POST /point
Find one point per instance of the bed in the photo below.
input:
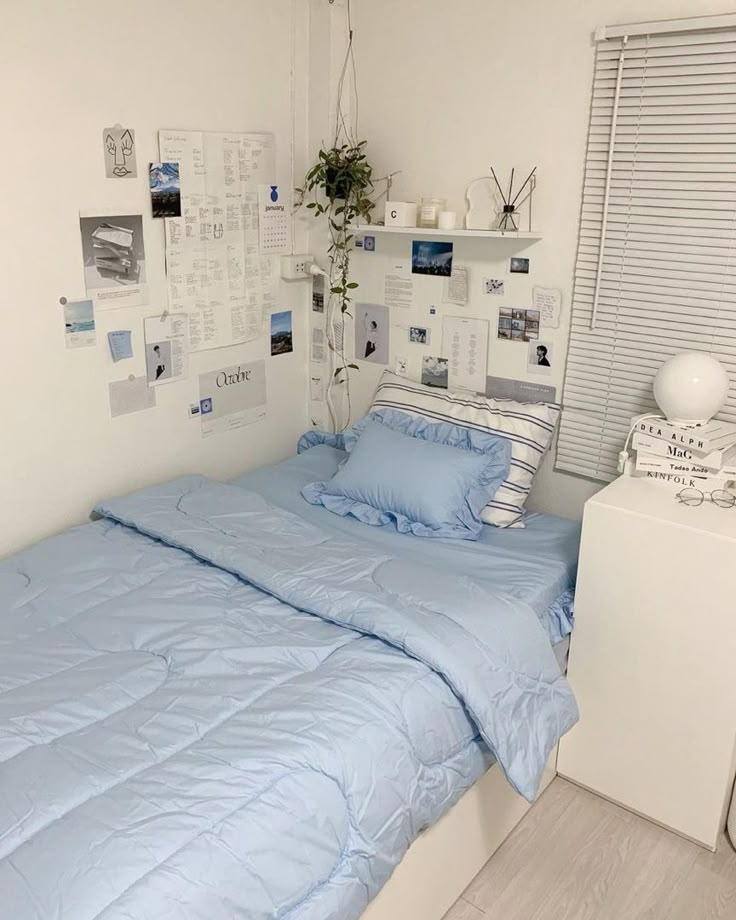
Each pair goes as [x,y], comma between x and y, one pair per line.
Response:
[218,701]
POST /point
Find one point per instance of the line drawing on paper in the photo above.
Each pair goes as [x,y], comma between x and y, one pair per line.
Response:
[120,161]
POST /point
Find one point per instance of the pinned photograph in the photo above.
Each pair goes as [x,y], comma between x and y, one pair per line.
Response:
[494,286]
[158,362]
[369,243]
[540,357]
[318,295]
[79,323]
[282,341]
[166,339]
[519,266]
[371,333]
[163,179]
[431,258]
[518,325]
[118,144]
[419,335]
[435,372]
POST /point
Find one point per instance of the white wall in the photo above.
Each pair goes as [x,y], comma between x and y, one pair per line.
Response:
[68,70]
[446,89]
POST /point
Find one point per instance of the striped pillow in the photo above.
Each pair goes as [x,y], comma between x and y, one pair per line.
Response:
[529,427]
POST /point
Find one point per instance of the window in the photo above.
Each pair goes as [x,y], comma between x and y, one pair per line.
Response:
[656,263]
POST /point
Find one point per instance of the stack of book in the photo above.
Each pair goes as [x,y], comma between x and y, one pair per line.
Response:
[697,456]
[113,249]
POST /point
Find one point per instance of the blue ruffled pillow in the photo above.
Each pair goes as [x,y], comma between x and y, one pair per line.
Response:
[428,479]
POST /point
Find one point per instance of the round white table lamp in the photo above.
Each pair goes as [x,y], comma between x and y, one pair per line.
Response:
[690,388]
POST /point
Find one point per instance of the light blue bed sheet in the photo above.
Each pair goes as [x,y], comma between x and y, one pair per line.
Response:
[537,564]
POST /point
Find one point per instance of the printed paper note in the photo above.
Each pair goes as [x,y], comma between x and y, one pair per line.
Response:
[215,271]
[465,344]
[399,286]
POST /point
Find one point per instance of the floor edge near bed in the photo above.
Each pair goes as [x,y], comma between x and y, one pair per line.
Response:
[443,860]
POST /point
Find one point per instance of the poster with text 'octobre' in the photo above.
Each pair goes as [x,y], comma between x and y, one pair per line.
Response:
[215,272]
[232,397]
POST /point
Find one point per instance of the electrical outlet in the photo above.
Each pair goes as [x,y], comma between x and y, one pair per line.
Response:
[296,268]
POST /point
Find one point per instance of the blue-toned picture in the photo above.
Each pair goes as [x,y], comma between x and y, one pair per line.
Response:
[431,258]
[281,337]
[165,186]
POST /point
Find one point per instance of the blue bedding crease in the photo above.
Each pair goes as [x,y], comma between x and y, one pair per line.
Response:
[211,706]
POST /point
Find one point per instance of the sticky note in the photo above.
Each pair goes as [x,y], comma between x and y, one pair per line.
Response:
[120,344]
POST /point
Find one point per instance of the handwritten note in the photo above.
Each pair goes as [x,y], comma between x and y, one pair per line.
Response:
[456,286]
[548,301]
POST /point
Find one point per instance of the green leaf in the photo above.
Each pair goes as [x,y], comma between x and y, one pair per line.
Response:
[352,284]
[354,367]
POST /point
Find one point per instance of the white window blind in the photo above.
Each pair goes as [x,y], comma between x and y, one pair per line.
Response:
[656,263]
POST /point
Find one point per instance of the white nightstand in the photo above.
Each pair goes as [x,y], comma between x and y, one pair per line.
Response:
[653,658]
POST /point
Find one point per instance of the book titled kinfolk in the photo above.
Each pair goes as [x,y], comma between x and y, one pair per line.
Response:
[703,439]
[683,480]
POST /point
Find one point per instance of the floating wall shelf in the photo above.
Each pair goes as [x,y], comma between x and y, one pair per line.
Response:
[423,232]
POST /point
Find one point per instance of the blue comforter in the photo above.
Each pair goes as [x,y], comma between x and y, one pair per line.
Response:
[204,711]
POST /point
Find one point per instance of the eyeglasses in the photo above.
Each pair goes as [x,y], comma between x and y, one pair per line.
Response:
[694,497]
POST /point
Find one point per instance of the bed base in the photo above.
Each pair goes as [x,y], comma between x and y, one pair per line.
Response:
[444,859]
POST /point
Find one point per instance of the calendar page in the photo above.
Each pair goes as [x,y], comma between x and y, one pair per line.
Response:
[274,219]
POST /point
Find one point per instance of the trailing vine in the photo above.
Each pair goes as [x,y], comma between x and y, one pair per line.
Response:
[338,186]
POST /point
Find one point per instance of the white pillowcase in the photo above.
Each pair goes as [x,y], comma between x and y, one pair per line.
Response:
[528,426]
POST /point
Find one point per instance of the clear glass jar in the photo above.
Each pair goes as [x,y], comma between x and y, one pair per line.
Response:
[429,211]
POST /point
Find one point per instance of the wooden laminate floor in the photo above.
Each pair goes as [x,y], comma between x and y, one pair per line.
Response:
[577,857]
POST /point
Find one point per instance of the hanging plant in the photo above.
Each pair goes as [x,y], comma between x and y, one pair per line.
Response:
[339,186]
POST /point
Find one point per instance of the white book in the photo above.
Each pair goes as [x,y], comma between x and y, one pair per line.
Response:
[713,435]
[654,463]
[683,481]
[659,448]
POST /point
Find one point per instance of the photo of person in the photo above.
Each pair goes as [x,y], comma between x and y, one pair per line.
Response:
[158,361]
[435,371]
[431,258]
[519,266]
[419,335]
[540,357]
[371,333]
